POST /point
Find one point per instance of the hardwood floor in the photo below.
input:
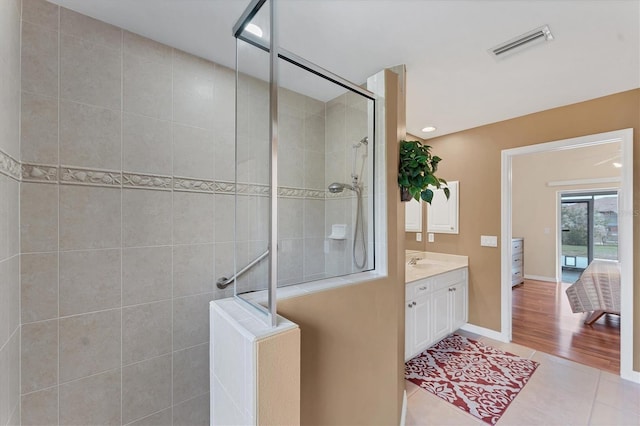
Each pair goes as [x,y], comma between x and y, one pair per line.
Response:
[542,320]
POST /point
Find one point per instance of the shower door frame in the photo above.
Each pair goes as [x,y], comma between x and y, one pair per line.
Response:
[275,53]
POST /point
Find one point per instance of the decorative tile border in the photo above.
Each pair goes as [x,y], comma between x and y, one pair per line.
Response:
[287,192]
[9,166]
[75,176]
[136,180]
[223,187]
[39,173]
[67,175]
[193,185]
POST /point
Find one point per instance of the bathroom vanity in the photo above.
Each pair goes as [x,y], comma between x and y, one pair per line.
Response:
[436,298]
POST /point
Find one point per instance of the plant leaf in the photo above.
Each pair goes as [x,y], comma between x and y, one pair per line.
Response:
[427,195]
[446,192]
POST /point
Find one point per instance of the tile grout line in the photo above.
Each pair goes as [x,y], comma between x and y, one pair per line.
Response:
[595,397]
[121,223]
[19,328]
[172,222]
[58,193]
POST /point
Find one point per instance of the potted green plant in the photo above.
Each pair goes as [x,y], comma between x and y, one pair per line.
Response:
[416,173]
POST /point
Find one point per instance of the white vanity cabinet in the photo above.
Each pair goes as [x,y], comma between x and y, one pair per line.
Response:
[435,307]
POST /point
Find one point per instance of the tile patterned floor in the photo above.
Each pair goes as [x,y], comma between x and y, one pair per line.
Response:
[560,392]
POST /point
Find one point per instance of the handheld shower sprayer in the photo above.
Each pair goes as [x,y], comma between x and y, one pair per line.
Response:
[337,187]
[356,186]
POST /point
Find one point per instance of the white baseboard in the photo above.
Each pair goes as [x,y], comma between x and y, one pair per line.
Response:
[541,278]
[491,334]
[633,376]
[403,415]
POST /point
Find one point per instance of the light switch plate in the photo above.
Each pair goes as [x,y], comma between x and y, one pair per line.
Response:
[489,241]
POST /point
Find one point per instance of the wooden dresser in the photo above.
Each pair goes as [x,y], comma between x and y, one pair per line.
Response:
[517,262]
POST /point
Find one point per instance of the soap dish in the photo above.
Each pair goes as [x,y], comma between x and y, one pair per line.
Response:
[338,232]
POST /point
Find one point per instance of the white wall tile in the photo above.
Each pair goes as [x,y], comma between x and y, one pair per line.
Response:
[189,373]
[147,87]
[193,269]
[39,60]
[90,30]
[40,408]
[38,217]
[146,144]
[89,281]
[193,218]
[39,355]
[193,152]
[39,134]
[89,344]
[93,400]
[191,320]
[90,73]
[39,286]
[146,388]
[41,12]
[146,274]
[90,136]
[89,217]
[146,331]
[146,217]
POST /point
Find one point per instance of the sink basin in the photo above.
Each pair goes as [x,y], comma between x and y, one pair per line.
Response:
[427,265]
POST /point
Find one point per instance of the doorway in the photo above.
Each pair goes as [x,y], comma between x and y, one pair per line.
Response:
[589,230]
[625,242]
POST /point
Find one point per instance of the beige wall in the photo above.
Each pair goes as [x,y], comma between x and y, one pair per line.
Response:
[353,337]
[534,205]
[9,212]
[473,158]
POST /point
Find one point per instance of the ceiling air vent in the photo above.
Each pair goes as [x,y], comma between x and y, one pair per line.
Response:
[521,42]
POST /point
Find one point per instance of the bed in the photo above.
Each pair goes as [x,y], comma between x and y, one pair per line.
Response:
[597,290]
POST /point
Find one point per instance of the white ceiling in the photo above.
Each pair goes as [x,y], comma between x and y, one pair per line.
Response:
[453,83]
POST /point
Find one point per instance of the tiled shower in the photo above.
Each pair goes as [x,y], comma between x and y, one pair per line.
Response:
[116,181]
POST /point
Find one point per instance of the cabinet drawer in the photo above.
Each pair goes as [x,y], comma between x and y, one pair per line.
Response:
[516,246]
[418,288]
[450,278]
[516,262]
[516,276]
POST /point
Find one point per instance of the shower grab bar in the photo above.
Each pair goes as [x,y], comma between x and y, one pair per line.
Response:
[223,282]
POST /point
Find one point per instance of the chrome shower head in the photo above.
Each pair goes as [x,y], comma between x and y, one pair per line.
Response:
[363,141]
[337,187]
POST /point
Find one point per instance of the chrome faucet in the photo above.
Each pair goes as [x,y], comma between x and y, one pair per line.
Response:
[414,260]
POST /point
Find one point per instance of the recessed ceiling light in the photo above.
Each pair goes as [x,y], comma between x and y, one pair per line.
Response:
[429,129]
[254,29]
[617,165]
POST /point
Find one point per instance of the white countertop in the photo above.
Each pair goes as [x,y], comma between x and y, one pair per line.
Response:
[430,264]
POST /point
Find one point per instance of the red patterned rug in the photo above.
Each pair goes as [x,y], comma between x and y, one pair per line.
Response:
[476,378]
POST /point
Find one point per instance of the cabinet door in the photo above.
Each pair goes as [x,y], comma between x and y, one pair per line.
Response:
[409,325]
[458,305]
[422,331]
[440,313]
[417,326]
[413,216]
[442,214]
